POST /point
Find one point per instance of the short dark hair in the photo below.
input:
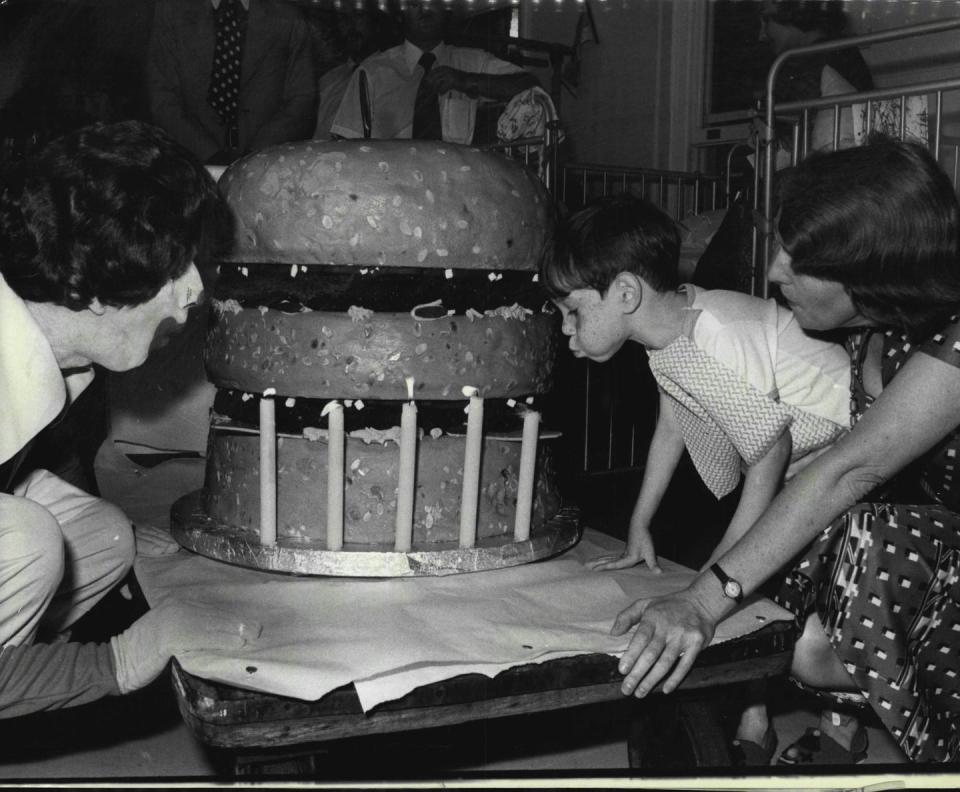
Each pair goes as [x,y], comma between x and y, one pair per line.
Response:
[614,234]
[882,220]
[824,16]
[109,212]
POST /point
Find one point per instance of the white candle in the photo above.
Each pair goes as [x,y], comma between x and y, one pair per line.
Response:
[268,471]
[471,469]
[528,462]
[406,480]
[335,461]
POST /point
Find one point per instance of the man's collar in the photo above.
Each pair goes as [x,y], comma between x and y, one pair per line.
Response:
[412,53]
[244,3]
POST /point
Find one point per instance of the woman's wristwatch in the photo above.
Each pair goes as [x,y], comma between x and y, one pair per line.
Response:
[731,588]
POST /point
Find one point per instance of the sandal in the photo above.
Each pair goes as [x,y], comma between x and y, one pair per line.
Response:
[746,753]
[840,701]
[819,749]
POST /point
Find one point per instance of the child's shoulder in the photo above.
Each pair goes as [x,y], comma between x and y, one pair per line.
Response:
[731,307]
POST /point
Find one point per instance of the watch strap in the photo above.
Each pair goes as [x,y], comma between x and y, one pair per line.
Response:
[724,579]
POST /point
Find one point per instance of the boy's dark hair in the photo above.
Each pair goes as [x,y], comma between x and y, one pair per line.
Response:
[614,234]
[111,211]
[883,221]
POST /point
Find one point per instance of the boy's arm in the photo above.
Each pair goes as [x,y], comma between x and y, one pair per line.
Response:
[664,454]
[761,482]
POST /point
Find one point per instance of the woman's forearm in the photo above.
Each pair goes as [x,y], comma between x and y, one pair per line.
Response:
[803,508]
[913,413]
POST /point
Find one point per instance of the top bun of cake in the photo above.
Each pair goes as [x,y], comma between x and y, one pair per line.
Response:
[391,203]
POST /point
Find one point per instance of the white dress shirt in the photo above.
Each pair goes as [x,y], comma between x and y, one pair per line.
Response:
[393,77]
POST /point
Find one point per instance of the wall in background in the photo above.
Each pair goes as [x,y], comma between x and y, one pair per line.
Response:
[619,109]
[639,98]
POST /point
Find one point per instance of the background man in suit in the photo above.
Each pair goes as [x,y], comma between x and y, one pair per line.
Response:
[226,77]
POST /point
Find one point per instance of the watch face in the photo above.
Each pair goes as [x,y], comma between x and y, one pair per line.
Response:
[732,589]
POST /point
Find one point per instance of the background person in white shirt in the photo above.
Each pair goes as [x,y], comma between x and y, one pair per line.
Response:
[459,76]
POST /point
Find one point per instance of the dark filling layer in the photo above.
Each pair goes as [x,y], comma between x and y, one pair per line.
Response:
[386,289]
[244,410]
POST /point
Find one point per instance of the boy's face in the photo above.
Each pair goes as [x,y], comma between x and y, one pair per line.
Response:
[594,323]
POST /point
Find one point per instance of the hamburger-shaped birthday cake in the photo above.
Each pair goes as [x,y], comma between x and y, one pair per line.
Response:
[379,342]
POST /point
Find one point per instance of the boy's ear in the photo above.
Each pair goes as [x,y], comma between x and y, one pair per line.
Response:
[629,291]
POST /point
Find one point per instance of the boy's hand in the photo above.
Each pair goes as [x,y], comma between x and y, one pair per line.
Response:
[632,556]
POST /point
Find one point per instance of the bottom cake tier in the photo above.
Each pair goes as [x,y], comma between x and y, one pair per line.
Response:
[232,487]
[194,530]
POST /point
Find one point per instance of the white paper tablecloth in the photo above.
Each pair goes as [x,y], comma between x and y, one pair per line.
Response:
[390,636]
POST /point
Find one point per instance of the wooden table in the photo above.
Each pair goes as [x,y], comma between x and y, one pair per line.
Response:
[688,732]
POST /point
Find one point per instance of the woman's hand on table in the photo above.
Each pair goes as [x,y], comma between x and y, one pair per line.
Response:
[670,632]
[142,651]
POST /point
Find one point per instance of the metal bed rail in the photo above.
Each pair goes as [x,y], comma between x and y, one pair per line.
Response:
[539,154]
[678,193]
[802,113]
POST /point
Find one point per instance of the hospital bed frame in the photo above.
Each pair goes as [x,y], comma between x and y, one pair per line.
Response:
[800,112]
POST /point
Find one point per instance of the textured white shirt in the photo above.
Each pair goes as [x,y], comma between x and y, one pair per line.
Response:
[741,373]
[762,342]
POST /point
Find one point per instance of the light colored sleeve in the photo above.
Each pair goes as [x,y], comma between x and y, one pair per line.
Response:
[348,121]
[722,416]
[41,677]
[491,64]
[745,346]
[331,89]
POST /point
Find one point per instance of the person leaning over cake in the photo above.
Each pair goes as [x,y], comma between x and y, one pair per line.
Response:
[868,246]
[424,88]
[99,235]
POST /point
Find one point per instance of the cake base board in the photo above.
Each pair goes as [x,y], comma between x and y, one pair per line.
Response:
[199,533]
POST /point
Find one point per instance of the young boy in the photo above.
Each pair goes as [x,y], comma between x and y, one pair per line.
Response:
[741,385]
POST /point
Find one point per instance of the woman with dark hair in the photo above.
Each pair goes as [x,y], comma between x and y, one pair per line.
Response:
[100,237]
[869,246]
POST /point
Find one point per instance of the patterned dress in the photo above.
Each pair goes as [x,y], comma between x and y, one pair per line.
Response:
[884,579]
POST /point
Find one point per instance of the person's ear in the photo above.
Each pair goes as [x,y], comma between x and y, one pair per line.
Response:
[96,307]
[629,291]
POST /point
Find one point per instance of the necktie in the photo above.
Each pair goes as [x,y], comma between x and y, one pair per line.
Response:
[225,77]
[426,109]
